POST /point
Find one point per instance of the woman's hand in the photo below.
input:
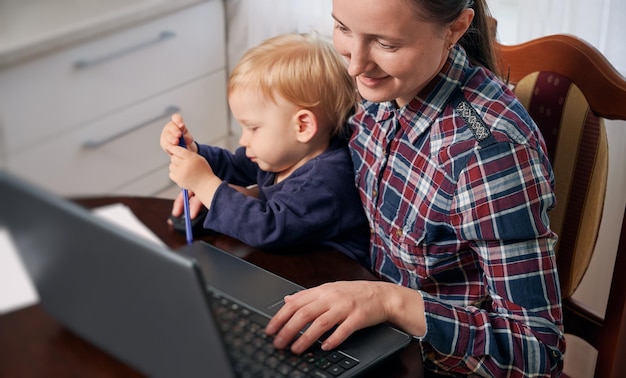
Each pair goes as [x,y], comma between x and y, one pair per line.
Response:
[349,305]
[179,207]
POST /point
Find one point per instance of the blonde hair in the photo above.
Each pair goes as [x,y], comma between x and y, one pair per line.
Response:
[305,70]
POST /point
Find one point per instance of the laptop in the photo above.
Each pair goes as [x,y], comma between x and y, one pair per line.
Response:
[158,310]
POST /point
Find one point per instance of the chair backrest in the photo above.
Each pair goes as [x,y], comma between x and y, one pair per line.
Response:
[568,87]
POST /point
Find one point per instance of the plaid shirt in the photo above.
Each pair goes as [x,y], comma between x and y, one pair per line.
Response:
[459,212]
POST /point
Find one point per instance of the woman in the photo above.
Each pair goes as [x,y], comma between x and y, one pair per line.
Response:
[456,184]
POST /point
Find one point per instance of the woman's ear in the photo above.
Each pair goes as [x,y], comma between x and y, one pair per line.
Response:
[459,26]
[306,123]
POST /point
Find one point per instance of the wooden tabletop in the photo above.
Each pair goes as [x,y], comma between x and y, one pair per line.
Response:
[32,344]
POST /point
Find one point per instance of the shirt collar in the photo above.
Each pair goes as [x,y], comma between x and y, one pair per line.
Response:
[417,116]
[420,113]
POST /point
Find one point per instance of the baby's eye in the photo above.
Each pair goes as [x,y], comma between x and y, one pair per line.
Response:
[341,27]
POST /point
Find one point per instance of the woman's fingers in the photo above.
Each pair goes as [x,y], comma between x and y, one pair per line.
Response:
[297,312]
[348,306]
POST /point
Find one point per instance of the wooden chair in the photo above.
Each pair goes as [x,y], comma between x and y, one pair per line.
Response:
[568,87]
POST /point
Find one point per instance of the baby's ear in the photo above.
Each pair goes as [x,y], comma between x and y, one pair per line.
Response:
[306,122]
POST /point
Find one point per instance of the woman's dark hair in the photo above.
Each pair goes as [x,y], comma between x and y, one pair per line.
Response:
[478,41]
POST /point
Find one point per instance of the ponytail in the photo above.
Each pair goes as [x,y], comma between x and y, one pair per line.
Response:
[478,40]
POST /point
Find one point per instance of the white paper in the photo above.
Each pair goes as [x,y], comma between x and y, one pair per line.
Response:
[123,216]
[16,288]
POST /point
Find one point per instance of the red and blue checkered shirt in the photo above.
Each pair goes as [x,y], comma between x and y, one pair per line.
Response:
[458,210]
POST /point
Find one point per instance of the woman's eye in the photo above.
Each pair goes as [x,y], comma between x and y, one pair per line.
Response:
[386,46]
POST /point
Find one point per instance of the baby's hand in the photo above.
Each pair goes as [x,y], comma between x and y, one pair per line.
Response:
[172,132]
[192,172]
[188,169]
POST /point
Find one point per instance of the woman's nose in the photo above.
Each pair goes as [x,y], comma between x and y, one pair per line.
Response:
[354,49]
[358,60]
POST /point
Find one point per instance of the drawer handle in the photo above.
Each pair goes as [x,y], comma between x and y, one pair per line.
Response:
[91,144]
[82,64]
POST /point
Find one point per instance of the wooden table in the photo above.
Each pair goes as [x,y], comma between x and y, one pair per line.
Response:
[32,344]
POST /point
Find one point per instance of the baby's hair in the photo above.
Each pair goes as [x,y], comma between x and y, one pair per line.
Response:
[305,70]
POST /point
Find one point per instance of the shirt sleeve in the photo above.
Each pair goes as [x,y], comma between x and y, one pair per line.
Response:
[500,209]
[235,167]
[301,210]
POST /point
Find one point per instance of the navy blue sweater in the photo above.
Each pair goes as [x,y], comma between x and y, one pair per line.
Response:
[317,204]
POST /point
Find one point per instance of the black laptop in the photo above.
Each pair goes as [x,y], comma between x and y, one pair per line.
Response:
[199,311]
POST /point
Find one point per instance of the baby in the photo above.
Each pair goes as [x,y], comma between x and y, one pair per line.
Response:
[291,96]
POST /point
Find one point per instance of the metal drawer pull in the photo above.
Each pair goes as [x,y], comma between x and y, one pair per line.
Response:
[82,64]
[91,144]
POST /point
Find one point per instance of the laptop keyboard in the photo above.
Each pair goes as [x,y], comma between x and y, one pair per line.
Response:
[254,355]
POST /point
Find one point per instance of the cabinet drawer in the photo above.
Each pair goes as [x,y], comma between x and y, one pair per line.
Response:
[123,147]
[62,91]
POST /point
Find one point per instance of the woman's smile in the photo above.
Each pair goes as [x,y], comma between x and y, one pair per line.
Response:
[370,81]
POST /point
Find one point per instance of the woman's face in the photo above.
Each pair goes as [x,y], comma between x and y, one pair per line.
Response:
[390,52]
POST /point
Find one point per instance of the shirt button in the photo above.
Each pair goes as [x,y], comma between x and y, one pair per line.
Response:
[399,233]
[374,193]
[430,355]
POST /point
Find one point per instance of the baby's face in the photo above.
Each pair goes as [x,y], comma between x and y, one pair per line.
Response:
[269,129]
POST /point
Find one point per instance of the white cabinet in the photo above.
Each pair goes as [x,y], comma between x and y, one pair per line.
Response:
[86,120]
